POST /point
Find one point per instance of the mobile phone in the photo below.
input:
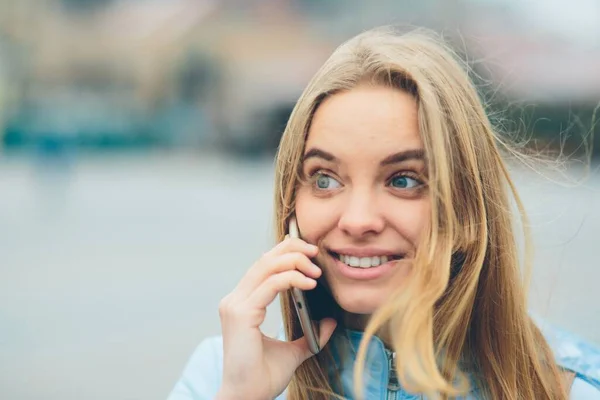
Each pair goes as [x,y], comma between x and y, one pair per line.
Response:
[308,326]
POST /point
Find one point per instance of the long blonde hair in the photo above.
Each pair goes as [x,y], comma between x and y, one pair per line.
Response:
[464,307]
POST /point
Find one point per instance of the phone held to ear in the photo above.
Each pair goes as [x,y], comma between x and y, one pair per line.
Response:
[308,326]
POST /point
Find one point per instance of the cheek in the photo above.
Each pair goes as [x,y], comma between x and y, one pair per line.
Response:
[413,219]
[315,216]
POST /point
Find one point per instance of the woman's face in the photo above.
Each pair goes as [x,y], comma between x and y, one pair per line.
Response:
[363,199]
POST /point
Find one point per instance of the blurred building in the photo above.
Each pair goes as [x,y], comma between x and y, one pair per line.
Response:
[203,73]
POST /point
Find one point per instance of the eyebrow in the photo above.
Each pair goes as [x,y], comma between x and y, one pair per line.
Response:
[416,154]
[318,153]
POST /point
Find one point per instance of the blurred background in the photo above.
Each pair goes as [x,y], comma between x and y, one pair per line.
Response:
[136,164]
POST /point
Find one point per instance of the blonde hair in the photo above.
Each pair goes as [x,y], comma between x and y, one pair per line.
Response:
[464,307]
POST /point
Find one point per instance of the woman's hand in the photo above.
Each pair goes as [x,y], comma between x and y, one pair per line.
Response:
[254,365]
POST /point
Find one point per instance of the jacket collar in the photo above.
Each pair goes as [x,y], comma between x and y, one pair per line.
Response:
[571,352]
[378,376]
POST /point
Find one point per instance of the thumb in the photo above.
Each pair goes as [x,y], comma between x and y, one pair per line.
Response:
[326,329]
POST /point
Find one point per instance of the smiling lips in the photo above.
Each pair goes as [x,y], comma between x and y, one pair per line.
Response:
[365,261]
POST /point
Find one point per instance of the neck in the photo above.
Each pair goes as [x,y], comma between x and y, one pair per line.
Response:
[358,322]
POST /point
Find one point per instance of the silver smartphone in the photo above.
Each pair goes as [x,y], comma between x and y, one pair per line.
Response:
[308,326]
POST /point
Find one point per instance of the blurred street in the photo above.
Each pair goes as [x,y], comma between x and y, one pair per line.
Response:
[113,268]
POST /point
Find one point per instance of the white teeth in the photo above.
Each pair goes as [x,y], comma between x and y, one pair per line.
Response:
[363,262]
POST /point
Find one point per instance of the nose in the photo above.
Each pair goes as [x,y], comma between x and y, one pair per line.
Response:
[361,216]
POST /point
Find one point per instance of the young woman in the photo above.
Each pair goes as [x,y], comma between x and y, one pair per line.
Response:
[408,255]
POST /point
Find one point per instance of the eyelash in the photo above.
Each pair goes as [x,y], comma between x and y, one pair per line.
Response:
[407,174]
[314,175]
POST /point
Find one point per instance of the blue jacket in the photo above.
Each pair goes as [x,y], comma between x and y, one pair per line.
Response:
[201,377]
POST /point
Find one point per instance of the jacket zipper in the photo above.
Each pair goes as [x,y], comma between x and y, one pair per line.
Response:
[393,385]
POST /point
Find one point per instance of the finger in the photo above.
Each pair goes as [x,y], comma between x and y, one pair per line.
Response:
[326,329]
[291,261]
[290,244]
[273,285]
[256,274]
[274,265]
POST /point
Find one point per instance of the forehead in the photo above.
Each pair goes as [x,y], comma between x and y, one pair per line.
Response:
[373,119]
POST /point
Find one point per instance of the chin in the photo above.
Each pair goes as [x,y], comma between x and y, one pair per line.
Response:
[356,301]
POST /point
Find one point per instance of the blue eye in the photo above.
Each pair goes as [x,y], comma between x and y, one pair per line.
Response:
[404,182]
[323,182]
